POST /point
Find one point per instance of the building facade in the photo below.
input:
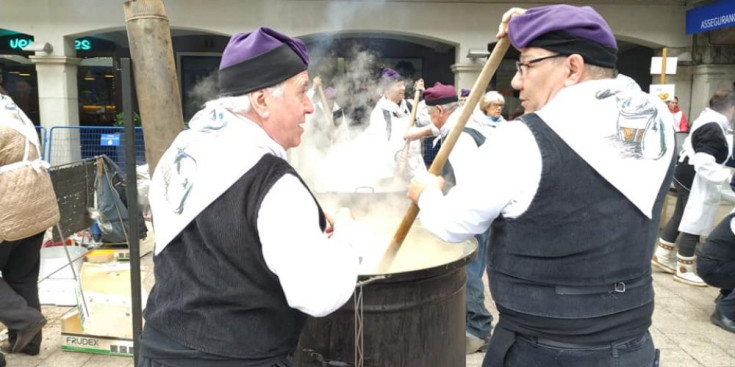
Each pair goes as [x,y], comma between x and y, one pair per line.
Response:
[75,79]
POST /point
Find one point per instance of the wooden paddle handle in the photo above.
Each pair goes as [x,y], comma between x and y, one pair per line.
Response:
[478,89]
[414,108]
[411,120]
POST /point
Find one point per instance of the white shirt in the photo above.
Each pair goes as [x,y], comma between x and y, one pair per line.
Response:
[506,183]
[318,274]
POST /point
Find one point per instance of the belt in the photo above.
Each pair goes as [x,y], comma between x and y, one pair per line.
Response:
[587,346]
[563,345]
[618,287]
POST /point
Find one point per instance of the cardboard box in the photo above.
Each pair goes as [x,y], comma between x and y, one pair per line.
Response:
[57,285]
[105,303]
[73,339]
[102,324]
[59,292]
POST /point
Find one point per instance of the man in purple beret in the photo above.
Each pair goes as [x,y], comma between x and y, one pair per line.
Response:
[463,94]
[323,120]
[573,203]
[443,108]
[389,121]
[243,250]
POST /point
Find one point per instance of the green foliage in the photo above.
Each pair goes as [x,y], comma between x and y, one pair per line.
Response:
[120,119]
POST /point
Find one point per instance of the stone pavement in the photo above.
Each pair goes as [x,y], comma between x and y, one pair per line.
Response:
[681,329]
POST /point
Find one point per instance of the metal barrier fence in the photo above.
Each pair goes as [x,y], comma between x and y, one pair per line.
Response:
[72,143]
[42,138]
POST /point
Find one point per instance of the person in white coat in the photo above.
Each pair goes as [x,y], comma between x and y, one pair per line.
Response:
[698,178]
[389,121]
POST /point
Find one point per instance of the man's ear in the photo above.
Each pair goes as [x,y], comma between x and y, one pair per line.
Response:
[576,66]
[259,103]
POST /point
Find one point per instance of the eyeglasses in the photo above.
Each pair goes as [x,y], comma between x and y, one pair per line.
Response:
[493,105]
[528,63]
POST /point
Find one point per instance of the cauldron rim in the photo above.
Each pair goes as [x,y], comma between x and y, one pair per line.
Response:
[470,249]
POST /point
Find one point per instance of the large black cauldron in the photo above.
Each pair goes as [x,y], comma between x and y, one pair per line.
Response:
[409,319]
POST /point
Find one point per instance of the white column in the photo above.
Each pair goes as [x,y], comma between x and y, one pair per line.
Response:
[705,81]
[465,74]
[59,105]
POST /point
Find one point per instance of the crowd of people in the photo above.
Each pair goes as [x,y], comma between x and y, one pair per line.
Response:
[565,207]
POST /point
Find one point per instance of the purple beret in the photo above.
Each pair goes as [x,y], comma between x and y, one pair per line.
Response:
[566,29]
[330,92]
[440,94]
[260,59]
[464,92]
[389,75]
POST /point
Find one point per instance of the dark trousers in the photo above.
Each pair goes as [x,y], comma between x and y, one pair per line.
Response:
[685,242]
[19,305]
[479,319]
[159,350]
[508,349]
[720,274]
[148,362]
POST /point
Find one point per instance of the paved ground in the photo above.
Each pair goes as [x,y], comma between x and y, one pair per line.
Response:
[681,329]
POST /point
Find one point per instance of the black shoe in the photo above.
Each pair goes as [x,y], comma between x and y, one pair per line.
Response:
[2,360]
[31,350]
[26,335]
[723,321]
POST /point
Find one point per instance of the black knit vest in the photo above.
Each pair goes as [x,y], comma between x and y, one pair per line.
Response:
[581,249]
[214,292]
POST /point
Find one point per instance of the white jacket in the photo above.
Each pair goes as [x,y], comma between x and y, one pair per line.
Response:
[704,197]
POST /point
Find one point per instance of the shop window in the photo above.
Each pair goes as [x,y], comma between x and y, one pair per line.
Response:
[198,80]
[18,74]
[96,81]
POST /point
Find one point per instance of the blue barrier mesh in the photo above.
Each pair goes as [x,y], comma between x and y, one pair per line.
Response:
[70,143]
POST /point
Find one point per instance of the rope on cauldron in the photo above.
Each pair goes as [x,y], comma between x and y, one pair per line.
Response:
[358,318]
[314,355]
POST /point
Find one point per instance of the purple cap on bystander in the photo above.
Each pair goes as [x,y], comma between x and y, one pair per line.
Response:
[330,92]
[389,75]
[440,94]
[464,92]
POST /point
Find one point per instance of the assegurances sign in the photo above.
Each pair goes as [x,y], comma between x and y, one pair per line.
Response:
[709,17]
